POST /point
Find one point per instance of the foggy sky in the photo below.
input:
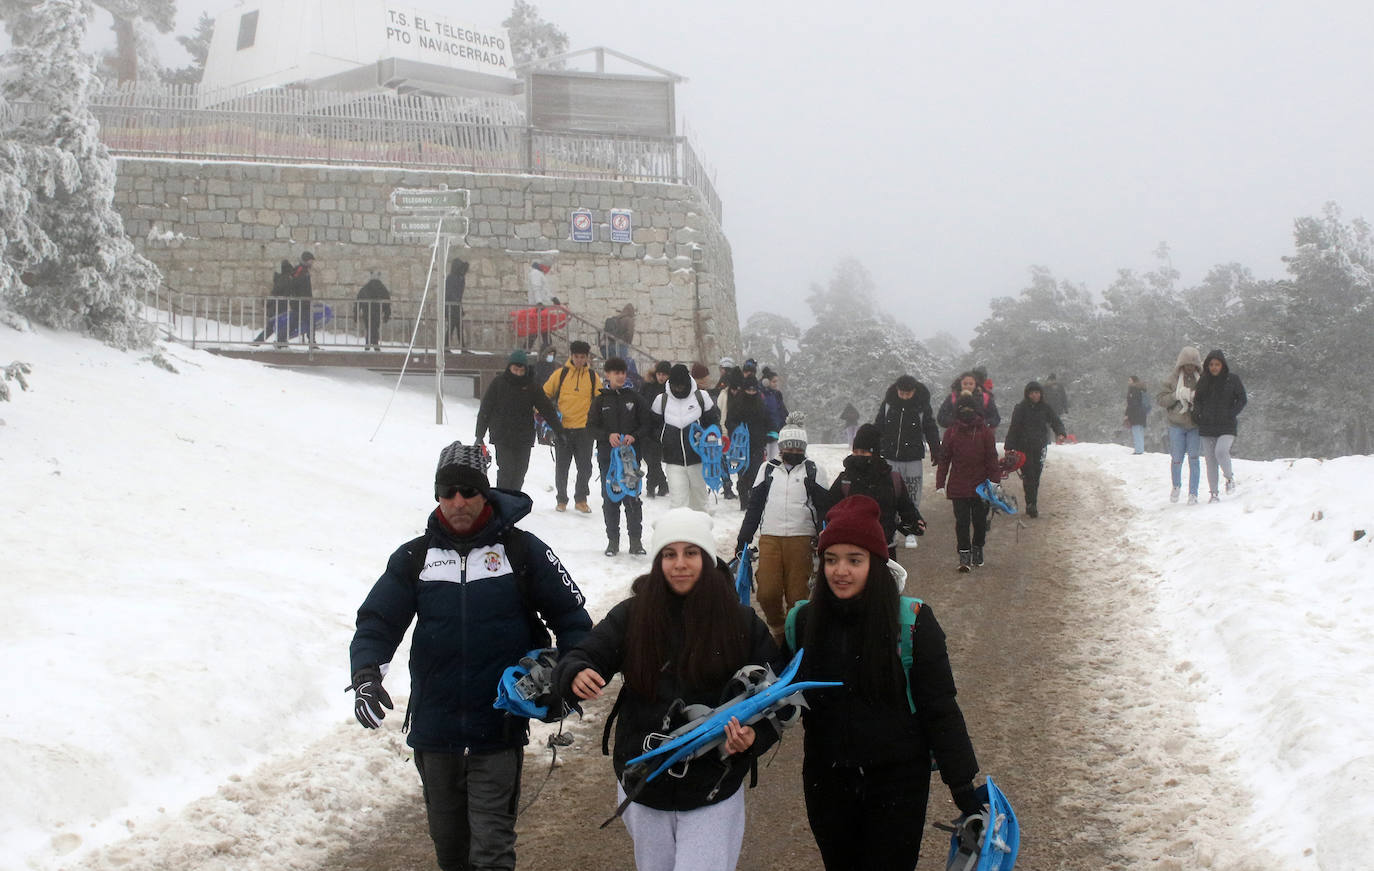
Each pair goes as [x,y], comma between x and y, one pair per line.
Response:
[949,149]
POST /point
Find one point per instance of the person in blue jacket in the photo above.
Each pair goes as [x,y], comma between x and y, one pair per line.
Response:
[481,593]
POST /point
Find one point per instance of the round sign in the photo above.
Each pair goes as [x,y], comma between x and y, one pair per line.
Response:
[582,221]
[620,222]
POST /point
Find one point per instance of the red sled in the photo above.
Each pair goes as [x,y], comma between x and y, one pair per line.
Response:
[1011,462]
[539,321]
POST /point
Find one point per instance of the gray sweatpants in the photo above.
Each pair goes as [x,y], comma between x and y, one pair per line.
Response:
[1217,452]
[705,839]
[910,470]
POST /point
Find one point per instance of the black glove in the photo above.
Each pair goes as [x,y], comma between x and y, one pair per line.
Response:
[966,799]
[370,697]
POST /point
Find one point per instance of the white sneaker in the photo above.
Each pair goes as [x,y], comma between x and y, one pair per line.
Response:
[1230,485]
[1215,498]
[1192,498]
[1173,494]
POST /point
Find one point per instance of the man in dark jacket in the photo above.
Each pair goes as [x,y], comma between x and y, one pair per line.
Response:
[300,314]
[1031,420]
[747,407]
[908,425]
[618,417]
[374,307]
[507,412]
[454,285]
[866,473]
[482,593]
[1056,397]
[1218,401]
[654,385]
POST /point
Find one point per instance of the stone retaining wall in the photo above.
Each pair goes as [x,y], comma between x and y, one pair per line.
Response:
[222,228]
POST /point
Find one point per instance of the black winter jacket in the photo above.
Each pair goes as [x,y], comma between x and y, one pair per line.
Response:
[907,425]
[604,651]
[947,417]
[1031,423]
[621,411]
[1137,406]
[750,411]
[507,410]
[844,729]
[1219,399]
[470,625]
[874,477]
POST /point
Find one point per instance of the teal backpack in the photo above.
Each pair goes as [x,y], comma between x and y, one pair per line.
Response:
[907,608]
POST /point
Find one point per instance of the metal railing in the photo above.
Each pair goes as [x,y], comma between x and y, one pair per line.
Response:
[341,323]
[377,130]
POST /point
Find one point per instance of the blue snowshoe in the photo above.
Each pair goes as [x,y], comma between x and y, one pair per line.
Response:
[623,477]
[737,458]
[743,567]
[988,840]
[707,443]
[994,495]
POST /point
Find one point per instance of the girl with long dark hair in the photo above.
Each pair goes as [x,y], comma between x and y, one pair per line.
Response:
[678,640]
[868,745]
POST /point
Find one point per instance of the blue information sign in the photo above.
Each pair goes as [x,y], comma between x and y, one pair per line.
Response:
[621,225]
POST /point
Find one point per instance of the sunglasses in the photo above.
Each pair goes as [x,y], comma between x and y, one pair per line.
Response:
[456,490]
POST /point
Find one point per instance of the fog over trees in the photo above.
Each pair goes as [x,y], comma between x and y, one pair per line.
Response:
[1301,344]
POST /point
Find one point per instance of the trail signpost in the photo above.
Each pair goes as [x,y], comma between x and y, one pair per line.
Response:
[435,215]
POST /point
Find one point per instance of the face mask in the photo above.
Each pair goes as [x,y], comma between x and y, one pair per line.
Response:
[793,459]
[548,359]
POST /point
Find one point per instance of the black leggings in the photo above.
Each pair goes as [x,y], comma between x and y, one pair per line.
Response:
[867,818]
[1030,474]
[970,511]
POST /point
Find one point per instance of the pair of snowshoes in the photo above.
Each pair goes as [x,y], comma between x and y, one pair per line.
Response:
[708,444]
[737,453]
[623,477]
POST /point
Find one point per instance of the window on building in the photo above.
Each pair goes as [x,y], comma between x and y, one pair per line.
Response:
[248,29]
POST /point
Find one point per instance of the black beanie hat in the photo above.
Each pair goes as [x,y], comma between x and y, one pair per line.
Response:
[868,438]
[664,366]
[463,466]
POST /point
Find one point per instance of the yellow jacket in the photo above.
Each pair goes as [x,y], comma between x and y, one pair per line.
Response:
[571,390]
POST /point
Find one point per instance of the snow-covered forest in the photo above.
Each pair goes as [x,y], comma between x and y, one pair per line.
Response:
[1299,343]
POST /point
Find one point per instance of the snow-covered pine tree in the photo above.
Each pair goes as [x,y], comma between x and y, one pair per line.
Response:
[531,37]
[89,279]
[852,354]
[771,339]
[197,45]
[135,55]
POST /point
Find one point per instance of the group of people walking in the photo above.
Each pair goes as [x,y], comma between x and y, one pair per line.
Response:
[482,592]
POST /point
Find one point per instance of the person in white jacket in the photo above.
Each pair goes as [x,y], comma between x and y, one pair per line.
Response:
[675,410]
[786,507]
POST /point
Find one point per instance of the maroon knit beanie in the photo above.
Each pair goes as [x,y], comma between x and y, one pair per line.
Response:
[854,520]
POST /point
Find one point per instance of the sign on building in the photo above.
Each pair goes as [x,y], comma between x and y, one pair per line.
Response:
[622,225]
[429,226]
[583,230]
[441,200]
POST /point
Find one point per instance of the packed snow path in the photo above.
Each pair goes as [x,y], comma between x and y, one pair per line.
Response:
[1074,704]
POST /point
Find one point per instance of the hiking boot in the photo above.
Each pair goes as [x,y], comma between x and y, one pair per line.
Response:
[1192,498]
[637,547]
[977,556]
[1230,486]
[562,506]
[583,507]
[1214,498]
[1173,494]
[1031,510]
[729,494]
[965,561]
[613,547]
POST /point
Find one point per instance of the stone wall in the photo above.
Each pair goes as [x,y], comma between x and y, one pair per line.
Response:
[222,228]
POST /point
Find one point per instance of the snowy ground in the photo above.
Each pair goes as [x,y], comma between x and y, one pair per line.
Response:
[183,554]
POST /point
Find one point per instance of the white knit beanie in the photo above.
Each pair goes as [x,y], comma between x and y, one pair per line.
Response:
[792,436]
[684,524]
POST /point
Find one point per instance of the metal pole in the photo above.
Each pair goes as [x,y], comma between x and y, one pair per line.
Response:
[440,330]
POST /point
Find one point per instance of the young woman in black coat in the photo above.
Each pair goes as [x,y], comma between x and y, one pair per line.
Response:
[1218,401]
[866,769]
[1031,422]
[678,640]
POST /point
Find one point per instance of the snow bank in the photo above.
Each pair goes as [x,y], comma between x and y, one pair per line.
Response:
[1268,596]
